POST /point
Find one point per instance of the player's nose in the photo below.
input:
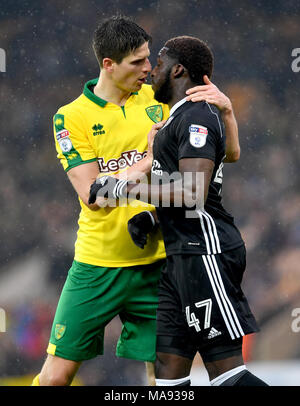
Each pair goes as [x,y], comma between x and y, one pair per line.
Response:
[147,66]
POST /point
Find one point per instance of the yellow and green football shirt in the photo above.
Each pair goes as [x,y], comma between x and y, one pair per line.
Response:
[91,129]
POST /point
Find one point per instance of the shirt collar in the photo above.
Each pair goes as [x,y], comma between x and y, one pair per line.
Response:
[177,105]
[91,95]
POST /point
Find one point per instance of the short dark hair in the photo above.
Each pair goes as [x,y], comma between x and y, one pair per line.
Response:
[116,37]
[193,54]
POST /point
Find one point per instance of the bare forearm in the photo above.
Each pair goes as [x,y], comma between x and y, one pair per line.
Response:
[189,190]
[173,194]
[138,170]
[211,94]
[81,178]
[154,194]
[232,136]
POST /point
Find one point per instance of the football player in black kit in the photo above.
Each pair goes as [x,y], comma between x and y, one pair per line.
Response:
[201,305]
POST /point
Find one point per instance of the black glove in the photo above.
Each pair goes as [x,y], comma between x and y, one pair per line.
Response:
[109,187]
[139,226]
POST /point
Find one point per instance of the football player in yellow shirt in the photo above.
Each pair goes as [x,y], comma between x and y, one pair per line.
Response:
[103,131]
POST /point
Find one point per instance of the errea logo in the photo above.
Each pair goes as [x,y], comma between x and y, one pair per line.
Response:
[97,128]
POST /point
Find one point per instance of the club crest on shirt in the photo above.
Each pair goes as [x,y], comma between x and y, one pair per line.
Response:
[60,330]
[198,135]
[155,113]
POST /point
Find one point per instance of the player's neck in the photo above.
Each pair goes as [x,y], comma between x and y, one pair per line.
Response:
[179,91]
[106,90]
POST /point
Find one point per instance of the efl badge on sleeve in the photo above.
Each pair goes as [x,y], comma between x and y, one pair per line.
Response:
[64,140]
[198,135]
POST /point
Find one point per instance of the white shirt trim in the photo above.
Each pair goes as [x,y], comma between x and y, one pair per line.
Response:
[177,105]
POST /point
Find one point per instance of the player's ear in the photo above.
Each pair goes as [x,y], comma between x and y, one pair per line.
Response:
[108,64]
[178,70]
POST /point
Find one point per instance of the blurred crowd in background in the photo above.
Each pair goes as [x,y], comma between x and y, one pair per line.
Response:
[49,58]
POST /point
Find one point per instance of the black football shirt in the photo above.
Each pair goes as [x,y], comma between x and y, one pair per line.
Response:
[193,130]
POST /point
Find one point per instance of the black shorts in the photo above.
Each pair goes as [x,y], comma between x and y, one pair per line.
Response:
[202,306]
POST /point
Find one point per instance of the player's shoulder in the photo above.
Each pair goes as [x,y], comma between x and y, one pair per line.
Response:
[72,108]
[68,116]
[204,113]
[203,108]
[146,94]
[146,91]
[146,98]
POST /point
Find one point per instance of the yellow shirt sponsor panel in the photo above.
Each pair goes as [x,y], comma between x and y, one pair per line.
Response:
[91,129]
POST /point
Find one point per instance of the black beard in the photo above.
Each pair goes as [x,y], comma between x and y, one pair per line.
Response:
[164,93]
